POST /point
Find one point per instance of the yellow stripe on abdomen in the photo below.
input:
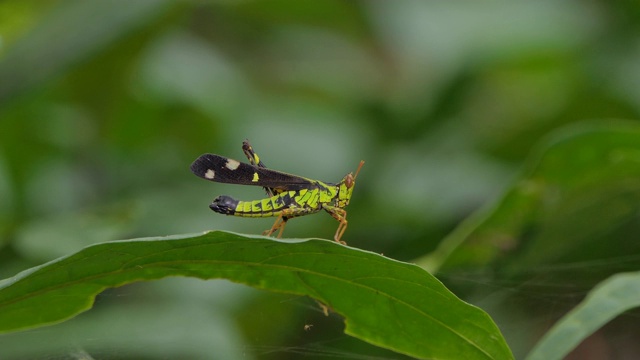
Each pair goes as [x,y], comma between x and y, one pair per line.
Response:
[272,206]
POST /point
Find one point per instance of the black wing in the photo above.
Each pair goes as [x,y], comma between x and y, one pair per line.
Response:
[224,170]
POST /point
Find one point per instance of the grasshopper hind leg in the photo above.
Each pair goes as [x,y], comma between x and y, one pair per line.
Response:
[279,225]
[284,216]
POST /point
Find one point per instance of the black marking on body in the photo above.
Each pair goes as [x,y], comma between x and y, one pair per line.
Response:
[283,201]
[224,205]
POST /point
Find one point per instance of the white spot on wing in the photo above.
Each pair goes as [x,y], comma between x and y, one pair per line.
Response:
[210,174]
[232,164]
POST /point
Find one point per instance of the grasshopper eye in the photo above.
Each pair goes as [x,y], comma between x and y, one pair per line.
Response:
[348,181]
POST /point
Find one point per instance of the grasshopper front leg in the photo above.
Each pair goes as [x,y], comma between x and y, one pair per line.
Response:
[339,214]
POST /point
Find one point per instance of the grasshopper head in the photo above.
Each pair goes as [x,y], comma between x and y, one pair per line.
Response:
[345,187]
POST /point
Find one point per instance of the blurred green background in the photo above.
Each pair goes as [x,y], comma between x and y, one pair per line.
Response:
[104,105]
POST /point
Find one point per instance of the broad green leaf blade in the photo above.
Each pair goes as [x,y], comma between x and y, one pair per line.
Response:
[609,299]
[579,187]
[385,302]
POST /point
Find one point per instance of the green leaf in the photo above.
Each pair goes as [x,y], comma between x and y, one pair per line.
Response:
[384,302]
[578,188]
[611,298]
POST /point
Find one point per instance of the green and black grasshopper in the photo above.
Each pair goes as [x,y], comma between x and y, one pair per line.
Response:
[289,195]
